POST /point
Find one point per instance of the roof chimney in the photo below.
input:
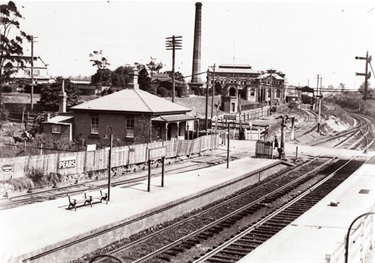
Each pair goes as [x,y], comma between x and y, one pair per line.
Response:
[62,99]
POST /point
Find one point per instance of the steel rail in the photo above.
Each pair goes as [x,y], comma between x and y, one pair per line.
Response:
[296,199]
[233,213]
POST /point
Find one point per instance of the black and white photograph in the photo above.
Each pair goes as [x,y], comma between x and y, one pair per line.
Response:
[187,131]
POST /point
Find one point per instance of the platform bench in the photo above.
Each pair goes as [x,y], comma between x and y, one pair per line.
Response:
[75,202]
[100,197]
[90,199]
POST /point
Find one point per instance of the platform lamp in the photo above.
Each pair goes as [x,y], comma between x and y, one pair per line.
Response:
[109,158]
[348,234]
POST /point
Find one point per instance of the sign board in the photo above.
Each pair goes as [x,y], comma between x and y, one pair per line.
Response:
[230,117]
[7,168]
[67,162]
[91,147]
[157,153]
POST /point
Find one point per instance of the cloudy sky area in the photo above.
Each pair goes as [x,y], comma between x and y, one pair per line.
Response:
[300,38]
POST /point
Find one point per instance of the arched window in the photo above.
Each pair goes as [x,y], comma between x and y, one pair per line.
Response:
[278,93]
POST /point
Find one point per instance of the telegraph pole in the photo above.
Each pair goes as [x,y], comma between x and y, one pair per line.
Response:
[173,43]
[206,112]
[366,74]
[213,92]
[32,73]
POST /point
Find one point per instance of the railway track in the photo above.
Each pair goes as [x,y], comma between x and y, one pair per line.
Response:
[209,225]
[254,235]
[360,137]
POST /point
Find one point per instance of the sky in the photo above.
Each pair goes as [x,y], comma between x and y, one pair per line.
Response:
[300,38]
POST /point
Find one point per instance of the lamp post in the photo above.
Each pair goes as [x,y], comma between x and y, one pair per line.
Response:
[109,160]
[283,118]
[348,234]
[213,92]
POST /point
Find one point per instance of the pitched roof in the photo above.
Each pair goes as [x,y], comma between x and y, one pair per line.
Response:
[243,69]
[131,100]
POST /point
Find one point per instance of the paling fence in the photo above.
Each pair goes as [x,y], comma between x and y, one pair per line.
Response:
[72,163]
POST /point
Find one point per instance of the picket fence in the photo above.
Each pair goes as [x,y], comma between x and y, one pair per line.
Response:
[72,163]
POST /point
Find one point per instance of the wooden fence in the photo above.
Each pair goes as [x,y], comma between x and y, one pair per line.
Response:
[72,163]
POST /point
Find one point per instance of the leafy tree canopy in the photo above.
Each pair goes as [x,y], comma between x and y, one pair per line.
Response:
[49,96]
[11,51]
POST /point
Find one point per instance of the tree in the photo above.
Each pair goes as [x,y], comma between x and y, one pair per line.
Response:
[154,66]
[49,96]
[99,60]
[103,75]
[369,90]
[120,77]
[11,51]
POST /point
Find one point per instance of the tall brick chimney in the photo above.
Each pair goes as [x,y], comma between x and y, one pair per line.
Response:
[195,78]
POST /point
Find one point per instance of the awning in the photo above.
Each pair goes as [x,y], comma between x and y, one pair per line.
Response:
[173,118]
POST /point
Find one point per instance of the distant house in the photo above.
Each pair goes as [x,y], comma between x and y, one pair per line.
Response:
[40,71]
[84,86]
[131,115]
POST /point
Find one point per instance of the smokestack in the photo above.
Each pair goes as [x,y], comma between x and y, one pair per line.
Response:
[195,78]
[62,98]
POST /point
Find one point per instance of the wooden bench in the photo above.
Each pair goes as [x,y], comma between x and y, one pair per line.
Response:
[99,198]
[79,201]
[85,199]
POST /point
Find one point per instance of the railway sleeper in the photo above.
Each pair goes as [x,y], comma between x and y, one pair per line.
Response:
[204,236]
[254,240]
[225,224]
[220,259]
[236,251]
[217,228]
[178,249]
[164,258]
[223,255]
[263,238]
[265,231]
[246,245]
[187,245]
[258,234]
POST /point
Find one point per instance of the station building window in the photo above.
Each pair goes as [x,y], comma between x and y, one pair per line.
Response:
[94,127]
[129,127]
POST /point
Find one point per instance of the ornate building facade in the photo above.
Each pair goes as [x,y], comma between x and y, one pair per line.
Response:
[248,84]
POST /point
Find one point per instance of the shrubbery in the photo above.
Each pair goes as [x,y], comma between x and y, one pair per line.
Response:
[40,180]
[7,89]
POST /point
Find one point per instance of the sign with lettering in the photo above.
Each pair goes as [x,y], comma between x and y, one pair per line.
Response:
[230,117]
[7,168]
[68,162]
[157,153]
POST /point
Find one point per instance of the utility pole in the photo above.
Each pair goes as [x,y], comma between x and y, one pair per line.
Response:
[213,92]
[173,43]
[32,74]
[366,74]
[320,103]
[206,113]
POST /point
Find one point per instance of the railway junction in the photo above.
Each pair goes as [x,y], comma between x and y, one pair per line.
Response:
[50,233]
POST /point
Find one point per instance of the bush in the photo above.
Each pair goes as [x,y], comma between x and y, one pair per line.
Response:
[163,92]
[7,89]
[40,180]
[4,113]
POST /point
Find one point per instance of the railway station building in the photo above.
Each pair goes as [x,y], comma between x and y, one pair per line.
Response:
[131,115]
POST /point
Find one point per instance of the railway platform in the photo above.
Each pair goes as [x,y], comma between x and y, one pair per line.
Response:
[47,232]
[319,235]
